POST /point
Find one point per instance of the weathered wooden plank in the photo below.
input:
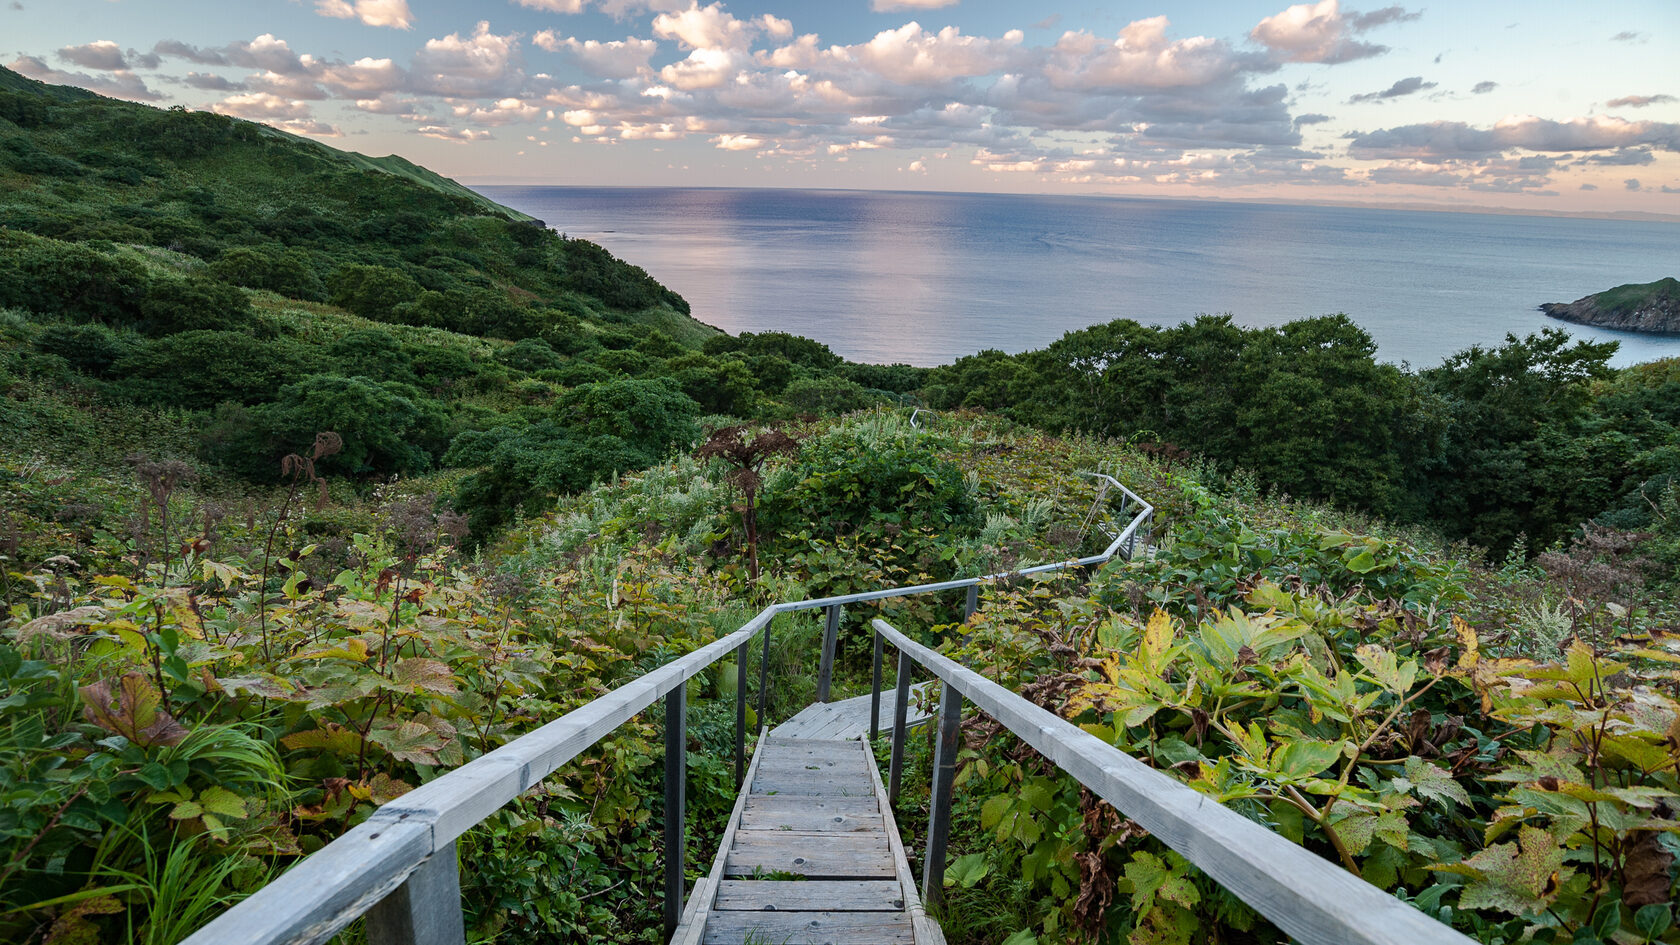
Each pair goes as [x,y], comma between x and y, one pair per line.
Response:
[1315,901]
[812,783]
[851,770]
[847,764]
[809,928]
[927,931]
[425,909]
[816,895]
[803,818]
[848,855]
[850,718]
[342,881]
[699,903]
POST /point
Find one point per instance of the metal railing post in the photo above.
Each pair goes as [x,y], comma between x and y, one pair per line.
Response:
[939,804]
[676,788]
[971,602]
[741,657]
[831,636]
[425,909]
[875,690]
[901,704]
[764,673]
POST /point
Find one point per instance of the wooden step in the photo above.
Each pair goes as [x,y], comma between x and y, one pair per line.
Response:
[809,928]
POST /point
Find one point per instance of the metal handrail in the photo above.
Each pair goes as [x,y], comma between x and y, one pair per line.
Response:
[1312,899]
[399,866]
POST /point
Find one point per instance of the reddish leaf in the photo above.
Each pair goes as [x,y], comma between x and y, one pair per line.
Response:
[133,711]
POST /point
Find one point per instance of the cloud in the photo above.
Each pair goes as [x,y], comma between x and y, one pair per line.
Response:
[454,134]
[887,6]
[1670,190]
[1639,101]
[1589,186]
[119,84]
[1632,183]
[1452,140]
[1628,36]
[1406,86]
[1311,119]
[103,55]
[553,6]
[393,13]
[1622,157]
[1483,87]
[483,65]
[616,59]
[1141,58]
[175,49]
[211,83]
[261,106]
[708,27]
[1321,32]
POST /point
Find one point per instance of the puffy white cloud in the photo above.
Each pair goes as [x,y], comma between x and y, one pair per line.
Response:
[774,26]
[503,112]
[481,65]
[708,27]
[261,106]
[704,69]
[913,56]
[394,13]
[285,86]
[1141,58]
[119,84]
[1321,32]
[363,77]
[615,59]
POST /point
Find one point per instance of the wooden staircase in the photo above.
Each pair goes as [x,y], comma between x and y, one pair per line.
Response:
[810,856]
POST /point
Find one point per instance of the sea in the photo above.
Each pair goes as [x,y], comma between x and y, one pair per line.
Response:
[926,278]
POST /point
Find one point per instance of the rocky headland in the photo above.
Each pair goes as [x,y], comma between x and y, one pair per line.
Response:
[1652,307]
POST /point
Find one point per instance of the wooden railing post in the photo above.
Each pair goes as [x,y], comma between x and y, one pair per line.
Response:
[741,656]
[425,909]
[901,704]
[764,674]
[676,786]
[939,804]
[875,691]
[831,637]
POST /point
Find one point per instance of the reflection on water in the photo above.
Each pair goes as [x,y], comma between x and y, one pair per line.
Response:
[928,278]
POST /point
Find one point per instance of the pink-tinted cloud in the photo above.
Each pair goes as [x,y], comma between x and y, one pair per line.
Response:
[1321,32]
[393,13]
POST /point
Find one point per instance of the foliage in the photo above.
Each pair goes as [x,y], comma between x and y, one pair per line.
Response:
[1322,683]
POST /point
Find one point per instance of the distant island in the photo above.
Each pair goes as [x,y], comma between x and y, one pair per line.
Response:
[1652,307]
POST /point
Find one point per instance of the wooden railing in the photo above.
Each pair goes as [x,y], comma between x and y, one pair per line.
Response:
[399,866]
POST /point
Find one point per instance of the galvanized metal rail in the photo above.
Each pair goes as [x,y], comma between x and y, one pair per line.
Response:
[399,867]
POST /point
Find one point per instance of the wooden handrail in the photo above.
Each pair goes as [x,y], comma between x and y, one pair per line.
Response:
[1312,899]
[412,838]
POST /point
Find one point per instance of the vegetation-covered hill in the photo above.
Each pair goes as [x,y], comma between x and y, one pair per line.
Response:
[1650,307]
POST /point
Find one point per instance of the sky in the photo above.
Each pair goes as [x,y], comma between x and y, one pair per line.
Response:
[1541,106]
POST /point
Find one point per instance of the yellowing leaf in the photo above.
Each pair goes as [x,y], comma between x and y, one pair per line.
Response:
[133,710]
[423,674]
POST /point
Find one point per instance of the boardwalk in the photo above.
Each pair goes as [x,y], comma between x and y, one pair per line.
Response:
[849,718]
[811,856]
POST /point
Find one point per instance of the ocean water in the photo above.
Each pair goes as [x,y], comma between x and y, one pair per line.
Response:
[926,278]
